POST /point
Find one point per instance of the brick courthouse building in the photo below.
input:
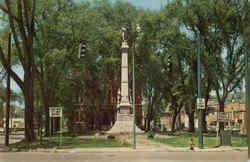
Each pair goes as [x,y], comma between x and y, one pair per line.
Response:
[82,119]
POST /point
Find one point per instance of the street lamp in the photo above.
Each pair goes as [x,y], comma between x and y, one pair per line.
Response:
[200,111]
[138,30]
[247,93]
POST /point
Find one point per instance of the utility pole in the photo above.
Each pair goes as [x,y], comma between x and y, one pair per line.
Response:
[134,119]
[199,94]
[138,30]
[247,74]
[247,59]
[8,94]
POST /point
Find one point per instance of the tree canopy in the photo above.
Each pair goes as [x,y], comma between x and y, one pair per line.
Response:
[46,37]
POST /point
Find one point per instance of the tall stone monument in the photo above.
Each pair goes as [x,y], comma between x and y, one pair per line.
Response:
[124,121]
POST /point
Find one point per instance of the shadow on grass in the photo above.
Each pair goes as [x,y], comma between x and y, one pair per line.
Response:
[67,143]
[70,134]
[181,139]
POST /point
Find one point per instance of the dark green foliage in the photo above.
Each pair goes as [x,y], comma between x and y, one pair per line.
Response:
[150,134]
[67,143]
[111,137]
[171,32]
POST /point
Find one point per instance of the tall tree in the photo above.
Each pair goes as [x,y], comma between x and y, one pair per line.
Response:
[21,19]
[220,26]
[247,39]
[7,118]
[55,44]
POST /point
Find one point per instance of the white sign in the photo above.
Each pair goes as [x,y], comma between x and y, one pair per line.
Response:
[224,116]
[55,112]
[212,102]
[200,103]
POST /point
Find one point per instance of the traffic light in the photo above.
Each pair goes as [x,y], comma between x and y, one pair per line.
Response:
[169,64]
[82,50]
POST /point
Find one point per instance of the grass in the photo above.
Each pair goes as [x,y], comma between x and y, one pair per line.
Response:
[68,142]
[239,142]
[79,134]
[182,140]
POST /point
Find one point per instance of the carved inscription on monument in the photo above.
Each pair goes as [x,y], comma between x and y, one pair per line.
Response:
[124,118]
[124,111]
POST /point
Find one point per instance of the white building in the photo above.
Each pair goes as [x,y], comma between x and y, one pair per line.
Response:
[15,123]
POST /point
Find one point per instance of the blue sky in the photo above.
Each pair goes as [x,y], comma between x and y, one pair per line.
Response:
[146,4]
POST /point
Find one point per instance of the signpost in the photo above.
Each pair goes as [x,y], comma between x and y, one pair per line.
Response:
[200,103]
[212,103]
[56,112]
[223,117]
[200,107]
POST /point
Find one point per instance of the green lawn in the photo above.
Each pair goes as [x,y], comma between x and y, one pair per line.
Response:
[183,141]
[239,142]
[77,134]
[68,143]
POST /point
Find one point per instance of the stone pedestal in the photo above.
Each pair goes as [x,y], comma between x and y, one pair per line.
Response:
[124,122]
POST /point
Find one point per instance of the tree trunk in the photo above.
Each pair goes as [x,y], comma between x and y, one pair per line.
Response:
[7,113]
[28,100]
[178,122]
[221,124]
[52,123]
[191,116]
[174,120]
[47,120]
[148,124]
[92,123]
[1,114]
[99,120]
[145,123]
[204,122]
[138,107]
[191,122]
[8,95]
[23,35]
[247,31]
[45,98]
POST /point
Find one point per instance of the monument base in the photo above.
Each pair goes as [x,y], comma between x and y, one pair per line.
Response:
[124,122]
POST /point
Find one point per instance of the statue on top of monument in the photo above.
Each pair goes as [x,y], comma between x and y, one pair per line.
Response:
[124,34]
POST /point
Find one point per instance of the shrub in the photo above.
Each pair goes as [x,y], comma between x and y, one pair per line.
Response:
[73,134]
[151,134]
[110,137]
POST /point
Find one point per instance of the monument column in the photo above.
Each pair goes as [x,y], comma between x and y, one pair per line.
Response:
[124,122]
[124,106]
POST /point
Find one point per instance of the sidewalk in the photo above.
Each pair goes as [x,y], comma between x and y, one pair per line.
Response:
[142,145]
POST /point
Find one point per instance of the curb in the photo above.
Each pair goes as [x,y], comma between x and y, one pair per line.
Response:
[130,150]
[207,149]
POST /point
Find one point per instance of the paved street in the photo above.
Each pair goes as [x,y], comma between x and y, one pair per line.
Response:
[147,151]
[125,157]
